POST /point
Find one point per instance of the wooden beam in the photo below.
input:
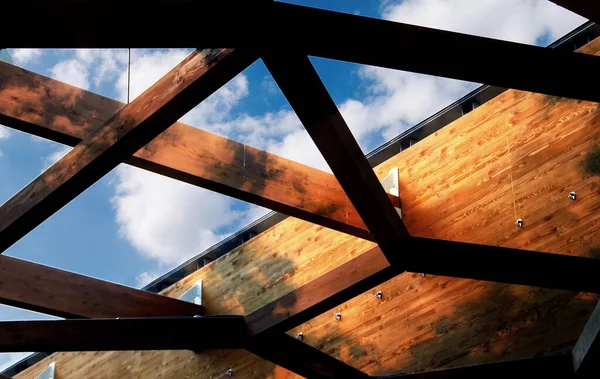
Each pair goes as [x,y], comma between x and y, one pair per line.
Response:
[309,98]
[160,333]
[327,291]
[178,19]
[194,79]
[407,47]
[302,359]
[506,265]
[554,366]
[586,352]
[65,294]
[585,8]
[51,109]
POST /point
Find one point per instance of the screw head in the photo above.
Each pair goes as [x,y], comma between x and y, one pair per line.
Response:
[229,372]
[338,316]
[300,336]
[379,295]
[573,196]
[519,223]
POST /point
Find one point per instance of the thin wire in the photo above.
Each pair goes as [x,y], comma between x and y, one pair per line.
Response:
[511,179]
[128,75]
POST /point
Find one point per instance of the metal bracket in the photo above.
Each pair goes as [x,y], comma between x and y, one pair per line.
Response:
[391,185]
[194,294]
[47,373]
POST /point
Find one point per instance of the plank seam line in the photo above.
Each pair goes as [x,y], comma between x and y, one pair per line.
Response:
[512,186]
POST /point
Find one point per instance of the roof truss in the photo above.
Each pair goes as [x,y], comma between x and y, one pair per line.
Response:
[310,32]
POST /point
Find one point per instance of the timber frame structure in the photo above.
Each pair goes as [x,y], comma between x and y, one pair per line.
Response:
[140,134]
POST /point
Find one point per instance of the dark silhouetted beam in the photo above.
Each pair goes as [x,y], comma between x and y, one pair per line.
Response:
[302,359]
[176,23]
[586,353]
[161,333]
[309,98]
[419,49]
[549,366]
[171,97]
[65,294]
[327,291]
[500,264]
[586,8]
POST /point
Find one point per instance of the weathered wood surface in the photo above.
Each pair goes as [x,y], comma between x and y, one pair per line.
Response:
[456,185]
[66,114]
[62,293]
[171,97]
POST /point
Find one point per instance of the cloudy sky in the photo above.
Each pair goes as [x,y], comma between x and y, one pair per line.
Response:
[133,225]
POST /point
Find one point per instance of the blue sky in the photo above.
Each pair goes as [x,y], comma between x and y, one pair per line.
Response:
[133,225]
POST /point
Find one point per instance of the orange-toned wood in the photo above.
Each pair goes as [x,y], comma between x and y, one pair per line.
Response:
[51,109]
[136,124]
[454,184]
[46,289]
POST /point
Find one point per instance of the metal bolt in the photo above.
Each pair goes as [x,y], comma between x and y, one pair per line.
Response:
[573,196]
[379,295]
[519,223]
[229,372]
[300,336]
[338,316]
[422,274]
[197,316]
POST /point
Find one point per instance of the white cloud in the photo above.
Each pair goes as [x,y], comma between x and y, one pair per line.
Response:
[53,157]
[24,56]
[515,20]
[73,72]
[168,220]
[4,132]
[108,64]
[147,276]
[147,66]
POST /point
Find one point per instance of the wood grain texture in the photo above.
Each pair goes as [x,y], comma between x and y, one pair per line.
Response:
[171,97]
[66,294]
[456,185]
[63,113]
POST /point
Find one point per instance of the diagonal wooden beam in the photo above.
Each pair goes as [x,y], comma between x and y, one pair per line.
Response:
[586,352]
[309,98]
[302,359]
[437,257]
[65,294]
[194,79]
[407,47]
[585,8]
[319,295]
[154,333]
[66,114]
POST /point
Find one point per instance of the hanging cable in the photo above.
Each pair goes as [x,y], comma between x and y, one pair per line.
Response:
[128,74]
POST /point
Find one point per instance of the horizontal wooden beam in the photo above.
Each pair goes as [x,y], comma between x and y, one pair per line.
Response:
[586,353]
[407,47]
[51,109]
[161,333]
[506,265]
[585,8]
[302,359]
[551,366]
[309,98]
[61,293]
[136,124]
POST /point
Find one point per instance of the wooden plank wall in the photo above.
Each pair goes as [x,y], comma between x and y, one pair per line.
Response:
[517,156]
